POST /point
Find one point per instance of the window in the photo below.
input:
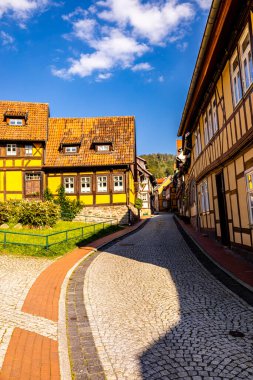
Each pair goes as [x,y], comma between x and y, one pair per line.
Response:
[85,184]
[249,180]
[70,149]
[15,122]
[69,185]
[32,177]
[102,184]
[197,143]
[28,150]
[215,116]
[144,197]
[246,60]
[204,197]
[206,134]
[103,148]
[11,149]
[118,183]
[210,122]
[236,79]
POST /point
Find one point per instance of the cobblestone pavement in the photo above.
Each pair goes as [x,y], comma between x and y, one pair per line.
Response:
[17,274]
[156,313]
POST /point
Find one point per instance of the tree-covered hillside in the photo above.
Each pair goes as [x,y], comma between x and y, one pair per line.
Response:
[160,164]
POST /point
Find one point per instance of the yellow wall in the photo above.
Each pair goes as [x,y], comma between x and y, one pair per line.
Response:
[119,198]
[87,199]
[1,181]
[54,183]
[227,91]
[14,180]
[131,188]
[102,199]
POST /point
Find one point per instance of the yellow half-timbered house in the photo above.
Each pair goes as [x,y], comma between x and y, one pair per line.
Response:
[93,158]
[217,130]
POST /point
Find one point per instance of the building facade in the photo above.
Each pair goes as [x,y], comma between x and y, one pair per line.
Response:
[215,180]
[146,183]
[93,158]
[161,202]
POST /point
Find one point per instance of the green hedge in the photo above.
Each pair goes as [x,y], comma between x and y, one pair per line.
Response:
[31,213]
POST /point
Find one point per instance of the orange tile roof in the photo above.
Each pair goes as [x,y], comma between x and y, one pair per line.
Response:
[35,127]
[159,181]
[119,129]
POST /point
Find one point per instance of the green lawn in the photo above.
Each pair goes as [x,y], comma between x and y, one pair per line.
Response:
[62,238]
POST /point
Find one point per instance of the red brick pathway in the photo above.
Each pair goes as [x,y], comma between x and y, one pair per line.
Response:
[31,356]
[232,262]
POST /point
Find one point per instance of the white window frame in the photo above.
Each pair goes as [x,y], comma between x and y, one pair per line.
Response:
[197,143]
[214,114]
[102,184]
[16,122]
[249,179]
[210,122]
[69,185]
[103,148]
[205,206]
[118,183]
[28,150]
[236,79]
[206,133]
[32,176]
[85,185]
[11,149]
[70,149]
[144,197]
[246,60]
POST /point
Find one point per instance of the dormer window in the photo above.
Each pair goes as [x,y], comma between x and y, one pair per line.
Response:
[16,122]
[102,144]
[103,148]
[70,149]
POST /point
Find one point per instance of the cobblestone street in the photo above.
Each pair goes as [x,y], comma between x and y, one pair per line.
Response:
[156,313]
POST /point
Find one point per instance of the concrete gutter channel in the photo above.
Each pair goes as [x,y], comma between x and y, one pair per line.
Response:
[238,287]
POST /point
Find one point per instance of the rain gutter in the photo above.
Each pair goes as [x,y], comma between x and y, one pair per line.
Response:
[202,51]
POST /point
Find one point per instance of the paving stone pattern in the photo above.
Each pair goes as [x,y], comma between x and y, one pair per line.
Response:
[156,313]
[17,274]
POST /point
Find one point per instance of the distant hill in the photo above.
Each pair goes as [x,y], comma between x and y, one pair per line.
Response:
[160,164]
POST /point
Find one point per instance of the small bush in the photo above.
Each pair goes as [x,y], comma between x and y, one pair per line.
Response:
[10,211]
[69,208]
[48,195]
[138,203]
[39,214]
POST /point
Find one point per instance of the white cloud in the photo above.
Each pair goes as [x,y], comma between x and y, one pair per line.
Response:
[22,9]
[117,32]
[102,76]
[161,79]
[111,51]
[145,66]
[182,46]
[204,4]
[150,21]
[6,39]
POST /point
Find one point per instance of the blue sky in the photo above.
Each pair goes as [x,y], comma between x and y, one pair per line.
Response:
[104,58]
